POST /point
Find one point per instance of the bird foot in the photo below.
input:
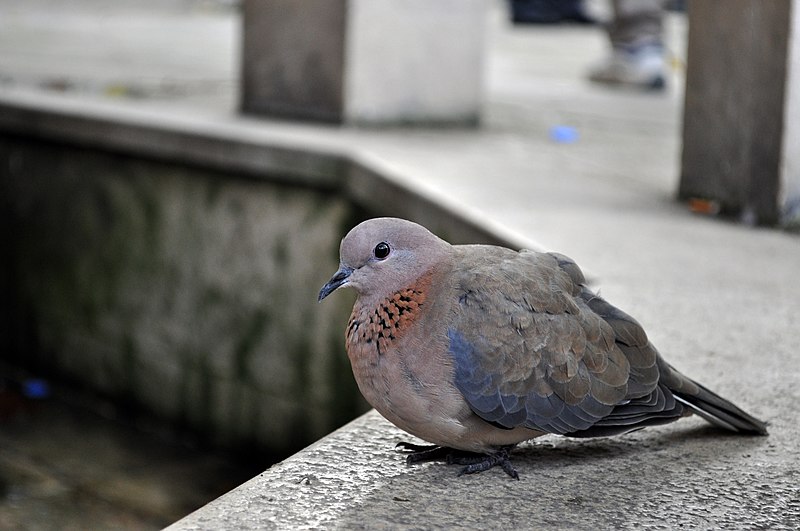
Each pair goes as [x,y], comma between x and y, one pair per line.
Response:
[482,463]
[420,453]
[473,462]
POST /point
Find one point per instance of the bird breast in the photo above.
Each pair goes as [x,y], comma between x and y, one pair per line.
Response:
[403,373]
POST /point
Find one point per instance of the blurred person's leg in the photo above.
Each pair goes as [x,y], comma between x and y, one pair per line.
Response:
[637,46]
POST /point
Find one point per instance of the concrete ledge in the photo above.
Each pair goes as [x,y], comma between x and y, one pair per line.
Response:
[206,141]
[682,476]
[254,148]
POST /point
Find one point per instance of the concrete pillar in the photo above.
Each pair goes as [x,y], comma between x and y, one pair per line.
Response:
[364,61]
[790,171]
[741,130]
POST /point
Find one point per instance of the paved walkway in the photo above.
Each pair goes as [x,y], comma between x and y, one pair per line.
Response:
[719,299]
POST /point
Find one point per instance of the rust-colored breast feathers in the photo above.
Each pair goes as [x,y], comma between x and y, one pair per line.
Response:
[378,327]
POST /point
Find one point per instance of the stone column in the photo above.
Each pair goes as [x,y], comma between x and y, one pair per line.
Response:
[741,130]
[364,61]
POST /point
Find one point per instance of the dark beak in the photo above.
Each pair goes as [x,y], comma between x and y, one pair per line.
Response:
[335,282]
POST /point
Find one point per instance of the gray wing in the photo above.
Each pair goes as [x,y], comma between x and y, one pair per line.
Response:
[533,346]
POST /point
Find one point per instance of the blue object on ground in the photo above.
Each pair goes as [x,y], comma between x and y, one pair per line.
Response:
[36,388]
[563,134]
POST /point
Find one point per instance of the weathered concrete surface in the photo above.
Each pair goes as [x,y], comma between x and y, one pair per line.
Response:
[666,478]
[167,50]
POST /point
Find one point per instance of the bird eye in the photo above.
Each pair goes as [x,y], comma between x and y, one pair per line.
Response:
[381,250]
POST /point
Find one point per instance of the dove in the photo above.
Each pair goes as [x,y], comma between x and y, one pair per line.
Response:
[477,348]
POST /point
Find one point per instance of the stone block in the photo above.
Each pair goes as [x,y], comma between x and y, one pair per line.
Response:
[364,61]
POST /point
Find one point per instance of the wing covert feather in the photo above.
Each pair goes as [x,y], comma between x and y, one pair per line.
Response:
[534,347]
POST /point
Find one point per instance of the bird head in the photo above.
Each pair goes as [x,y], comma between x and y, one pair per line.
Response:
[384,255]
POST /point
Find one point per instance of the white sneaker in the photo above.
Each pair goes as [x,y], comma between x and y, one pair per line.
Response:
[640,67]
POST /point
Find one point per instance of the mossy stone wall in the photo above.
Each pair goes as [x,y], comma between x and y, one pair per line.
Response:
[190,292]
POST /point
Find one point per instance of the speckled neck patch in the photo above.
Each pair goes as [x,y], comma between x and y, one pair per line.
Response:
[385,323]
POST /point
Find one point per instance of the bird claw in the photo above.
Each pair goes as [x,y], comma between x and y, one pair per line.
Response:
[419,453]
[473,462]
[411,447]
[485,462]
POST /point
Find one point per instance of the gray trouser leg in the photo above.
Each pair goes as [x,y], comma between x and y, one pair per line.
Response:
[636,22]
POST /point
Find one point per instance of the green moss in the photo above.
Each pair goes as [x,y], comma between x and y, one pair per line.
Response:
[299,432]
[281,251]
[248,341]
[213,190]
[205,395]
[128,365]
[150,236]
[212,296]
[300,354]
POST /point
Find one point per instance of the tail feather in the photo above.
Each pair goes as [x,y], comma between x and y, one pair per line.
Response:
[721,412]
[707,403]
